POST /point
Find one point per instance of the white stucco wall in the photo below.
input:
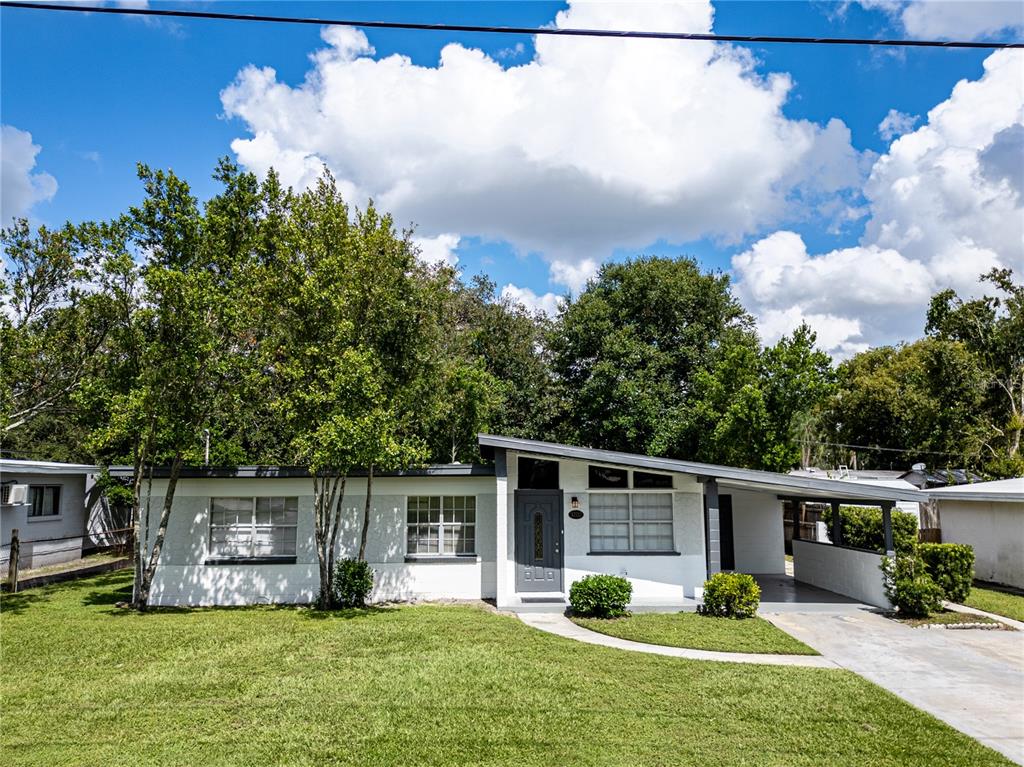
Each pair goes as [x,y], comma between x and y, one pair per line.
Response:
[656,579]
[851,572]
[757,535]
[184,578]
[995,530]
[69,526]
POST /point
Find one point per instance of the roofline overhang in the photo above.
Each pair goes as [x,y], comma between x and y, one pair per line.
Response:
[302,472]
[783,484]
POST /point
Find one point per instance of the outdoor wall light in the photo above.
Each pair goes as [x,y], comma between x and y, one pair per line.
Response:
[575,503]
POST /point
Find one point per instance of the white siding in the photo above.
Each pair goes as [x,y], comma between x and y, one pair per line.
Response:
[851,572]
[757,532]
[184,578]
[656,579]
[996,532]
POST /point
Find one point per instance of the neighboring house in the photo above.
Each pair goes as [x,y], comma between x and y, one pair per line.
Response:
[51,518]
[519,530]
[988,516]
[926,479]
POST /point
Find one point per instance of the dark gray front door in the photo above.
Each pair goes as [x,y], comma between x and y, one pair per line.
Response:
[538,540]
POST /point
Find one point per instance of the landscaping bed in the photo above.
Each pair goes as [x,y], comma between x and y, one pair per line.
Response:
[88,683]
[699,632]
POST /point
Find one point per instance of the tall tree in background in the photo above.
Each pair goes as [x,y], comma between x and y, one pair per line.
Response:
[627,354]
[53,328]
[992,328]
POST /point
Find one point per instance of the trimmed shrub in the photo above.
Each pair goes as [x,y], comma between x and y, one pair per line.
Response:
[600,596]
[909,587]
[951,566]
[731,595]
[862,528]
[353,580]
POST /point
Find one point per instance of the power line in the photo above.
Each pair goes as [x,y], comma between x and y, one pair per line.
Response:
[628,34]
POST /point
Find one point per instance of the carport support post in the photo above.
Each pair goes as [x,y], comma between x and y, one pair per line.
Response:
[714,528]
[837,525]
[887,527]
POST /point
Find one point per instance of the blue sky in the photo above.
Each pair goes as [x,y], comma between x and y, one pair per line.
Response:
[100,93]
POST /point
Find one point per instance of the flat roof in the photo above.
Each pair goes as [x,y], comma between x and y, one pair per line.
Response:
[10,465]
[301,472]
[728,476]
[1003,490]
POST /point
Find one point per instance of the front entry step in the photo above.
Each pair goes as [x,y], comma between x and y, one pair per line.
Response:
[543,598]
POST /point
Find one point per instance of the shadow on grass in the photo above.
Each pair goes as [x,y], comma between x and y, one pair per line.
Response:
[15,604]
[110,589]
[373,611]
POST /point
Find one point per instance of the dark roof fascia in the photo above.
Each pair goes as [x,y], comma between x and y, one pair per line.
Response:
[787,484]
[301,472]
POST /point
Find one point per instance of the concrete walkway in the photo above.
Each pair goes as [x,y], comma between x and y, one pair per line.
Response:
[971,679]
[557,623]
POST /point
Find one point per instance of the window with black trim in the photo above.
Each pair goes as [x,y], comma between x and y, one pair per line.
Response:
[441,525]
[607,478]
[44,501]
[253,527]
[537,474]
[644,480]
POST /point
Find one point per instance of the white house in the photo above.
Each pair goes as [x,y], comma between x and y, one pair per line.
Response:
[518,530]
[46,503]
[988,516]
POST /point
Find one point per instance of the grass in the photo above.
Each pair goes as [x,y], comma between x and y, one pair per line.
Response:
[947,617]
[86,683]
[700,633]
[998,602]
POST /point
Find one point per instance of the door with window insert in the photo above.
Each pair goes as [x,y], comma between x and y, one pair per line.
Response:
[538,540]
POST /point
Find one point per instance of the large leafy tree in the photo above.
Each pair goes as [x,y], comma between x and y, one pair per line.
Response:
[992,328]
[628,354]
[350,359]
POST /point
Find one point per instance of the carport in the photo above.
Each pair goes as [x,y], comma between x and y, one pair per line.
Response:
[831,566]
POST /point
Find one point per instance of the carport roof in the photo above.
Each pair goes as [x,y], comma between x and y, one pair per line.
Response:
[727,476]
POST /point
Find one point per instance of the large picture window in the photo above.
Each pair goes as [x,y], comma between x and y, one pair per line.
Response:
[44,500]
[253,528]
[630,521]
[441,524]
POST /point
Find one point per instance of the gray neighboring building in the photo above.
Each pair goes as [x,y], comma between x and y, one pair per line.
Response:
[52,519]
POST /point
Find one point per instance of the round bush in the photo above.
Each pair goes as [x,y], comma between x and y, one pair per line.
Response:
[951,566]
[353,580]
[910,589]
[600,596]
[731,595]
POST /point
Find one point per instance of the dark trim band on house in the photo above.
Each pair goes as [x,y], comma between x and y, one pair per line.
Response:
[301,472]
[290,560]
[634,554]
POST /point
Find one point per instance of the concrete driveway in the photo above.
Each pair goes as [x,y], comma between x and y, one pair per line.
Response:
[971,679]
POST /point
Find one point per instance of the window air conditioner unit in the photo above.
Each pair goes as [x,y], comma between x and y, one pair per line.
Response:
[15,495]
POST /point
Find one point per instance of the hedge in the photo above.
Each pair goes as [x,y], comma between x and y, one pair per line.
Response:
[731,595]
[951,566]
[862,528]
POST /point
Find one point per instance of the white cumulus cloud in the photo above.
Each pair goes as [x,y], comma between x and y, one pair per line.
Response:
[958,19]
[439,249]
[21,186]
[589,146]
[896,123]
[546,303]
[945,205]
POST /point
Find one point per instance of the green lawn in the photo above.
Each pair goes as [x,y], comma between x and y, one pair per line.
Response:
[700,632]
[85,683]
[949,616]
[998,602]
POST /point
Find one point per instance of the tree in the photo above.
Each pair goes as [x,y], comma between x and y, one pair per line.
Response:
[992,328]
[630,353]
[52,331]
[349,354]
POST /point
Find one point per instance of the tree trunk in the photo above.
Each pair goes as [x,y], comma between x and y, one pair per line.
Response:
[140,544]
[165,514]
[336,525]
[366,515]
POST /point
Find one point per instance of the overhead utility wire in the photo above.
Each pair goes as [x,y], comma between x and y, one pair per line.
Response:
[628,34]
